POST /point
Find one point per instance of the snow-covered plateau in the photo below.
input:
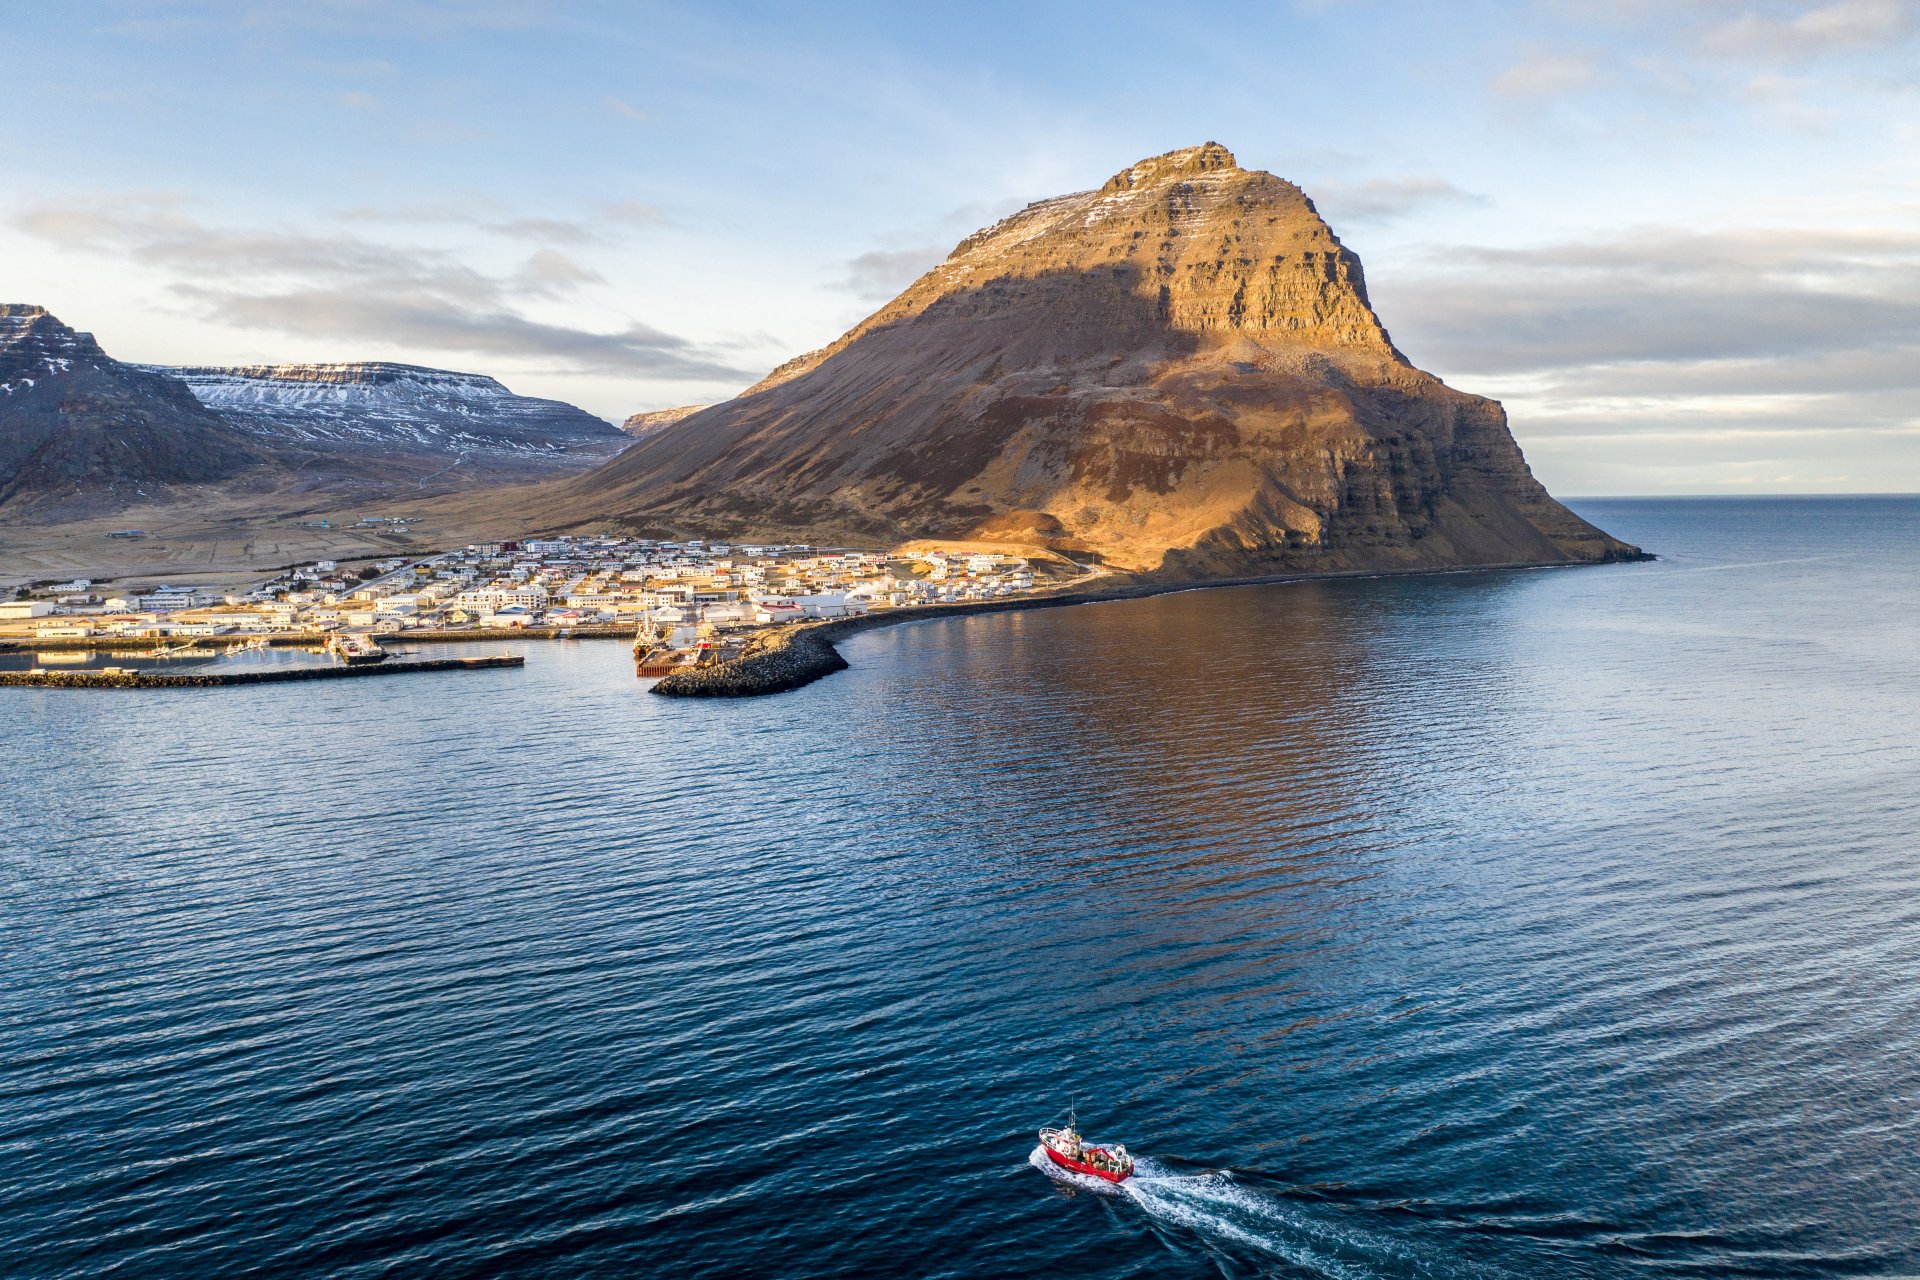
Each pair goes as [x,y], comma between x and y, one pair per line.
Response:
[396,407]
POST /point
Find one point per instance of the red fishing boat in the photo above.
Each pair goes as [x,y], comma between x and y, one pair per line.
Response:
[1065,1148]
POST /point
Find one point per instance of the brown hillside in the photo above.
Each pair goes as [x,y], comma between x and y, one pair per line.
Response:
[1179,373]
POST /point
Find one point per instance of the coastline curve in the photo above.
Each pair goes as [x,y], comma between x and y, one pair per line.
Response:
[801,653]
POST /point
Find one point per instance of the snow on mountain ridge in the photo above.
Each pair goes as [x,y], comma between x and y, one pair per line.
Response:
[348,373]
[410,407]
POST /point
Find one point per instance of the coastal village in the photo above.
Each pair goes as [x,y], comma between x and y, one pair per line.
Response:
[683,602]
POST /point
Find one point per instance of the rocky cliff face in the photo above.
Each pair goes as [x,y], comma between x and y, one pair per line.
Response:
[372,409]
[80,432]
[645,424]
[1179,372]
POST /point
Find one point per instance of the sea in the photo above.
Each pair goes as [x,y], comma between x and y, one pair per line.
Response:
[1512,924]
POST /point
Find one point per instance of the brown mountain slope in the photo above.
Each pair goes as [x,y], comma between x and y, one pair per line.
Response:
[1179,373]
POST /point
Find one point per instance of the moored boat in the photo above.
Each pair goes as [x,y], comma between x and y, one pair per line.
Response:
[1065,1147]
[354,649]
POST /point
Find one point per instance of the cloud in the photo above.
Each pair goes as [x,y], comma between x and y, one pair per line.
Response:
[609,222]
[881,274]
[555,230]
[407,213]
[636,213]
[362,69]
[1664,294]
[626,111]
[195,18]
[420,319]
[1794,329]
[1846,26]
[1546,75]
[1385,199]
[347,286]
[553,274]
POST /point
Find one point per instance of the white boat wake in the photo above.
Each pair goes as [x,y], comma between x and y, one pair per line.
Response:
[1322,1239]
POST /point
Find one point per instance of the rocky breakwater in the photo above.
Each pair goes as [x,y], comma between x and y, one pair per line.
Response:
[772,662]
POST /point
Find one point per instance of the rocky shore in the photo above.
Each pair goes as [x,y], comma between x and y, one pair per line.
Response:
[772,662]
[799,654]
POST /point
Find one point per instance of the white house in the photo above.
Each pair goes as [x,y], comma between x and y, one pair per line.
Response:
[773,610]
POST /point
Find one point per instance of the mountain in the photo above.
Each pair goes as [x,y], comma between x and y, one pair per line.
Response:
[1179,373]
[81,432]
[372,415]
[645,424]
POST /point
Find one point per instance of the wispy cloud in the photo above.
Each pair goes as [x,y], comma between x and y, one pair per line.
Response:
[427,17]
[1547,75]
[882,272]
[603,224]
[1803,329]
[1386,199]
[1683,48]
[419,319]
[348,286]
[879,275]
[623,109]
[633,213]
[1806,33]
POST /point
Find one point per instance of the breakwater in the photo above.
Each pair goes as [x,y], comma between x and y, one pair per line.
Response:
[121,678]
[800,653]
[314,639]
[772,662]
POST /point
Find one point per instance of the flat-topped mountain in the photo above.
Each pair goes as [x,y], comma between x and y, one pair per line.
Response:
[401,408]
[1179,372]
[81,432]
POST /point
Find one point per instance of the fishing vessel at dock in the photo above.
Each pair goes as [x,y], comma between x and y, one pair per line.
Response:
[355,650]
[652,656]
[658,652]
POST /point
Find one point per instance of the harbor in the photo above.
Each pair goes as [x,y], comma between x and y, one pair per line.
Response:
[534,588]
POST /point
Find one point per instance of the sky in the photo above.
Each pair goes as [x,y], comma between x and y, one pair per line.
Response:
[1680,241]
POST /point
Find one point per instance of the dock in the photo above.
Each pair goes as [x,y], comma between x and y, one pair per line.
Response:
[126,678]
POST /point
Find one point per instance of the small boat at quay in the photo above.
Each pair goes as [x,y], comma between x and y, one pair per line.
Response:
[1065,1147]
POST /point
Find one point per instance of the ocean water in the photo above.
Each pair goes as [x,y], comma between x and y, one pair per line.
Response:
[1552,923]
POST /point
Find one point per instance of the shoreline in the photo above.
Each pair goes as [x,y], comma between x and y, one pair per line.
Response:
[777,662]
[314,639]
[124,679]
